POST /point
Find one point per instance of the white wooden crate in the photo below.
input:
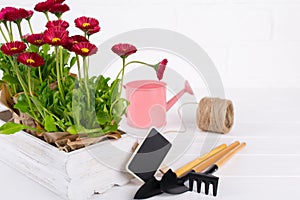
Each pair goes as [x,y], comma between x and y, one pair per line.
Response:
[77,175]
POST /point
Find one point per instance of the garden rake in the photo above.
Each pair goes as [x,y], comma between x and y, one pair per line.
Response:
[206,177]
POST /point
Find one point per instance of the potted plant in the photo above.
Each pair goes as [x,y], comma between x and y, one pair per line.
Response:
[49,101]
[37,82]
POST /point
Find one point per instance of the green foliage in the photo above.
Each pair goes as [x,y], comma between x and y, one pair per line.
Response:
[22,104]
[72,113]
[105,113]
[56,100]
[11,128]
[50,124]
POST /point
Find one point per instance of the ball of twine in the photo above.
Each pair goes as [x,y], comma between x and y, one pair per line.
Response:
[215,115]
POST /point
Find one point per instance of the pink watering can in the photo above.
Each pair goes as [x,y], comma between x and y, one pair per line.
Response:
[148,104]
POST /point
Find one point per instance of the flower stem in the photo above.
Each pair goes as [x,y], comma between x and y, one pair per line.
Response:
[139,62]
[13,62]
[29,81]
[47,16]
[7,30]
[120,72]
[117,77]
[11,37]
[14,90]
[50,113]
[86,81]
[30,26]
[58,75]
[40,75]
[61,63]
[5,38]
[78,66]
[18,74]
[39,69]
[20,30]
[123,71]
[132,62]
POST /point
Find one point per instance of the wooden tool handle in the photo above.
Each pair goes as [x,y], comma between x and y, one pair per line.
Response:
[202,166]
[226,157]
[188,167]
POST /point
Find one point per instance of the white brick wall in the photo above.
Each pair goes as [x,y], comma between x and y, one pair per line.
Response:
[264,63]
[224,24]
[254,43]
[286,22]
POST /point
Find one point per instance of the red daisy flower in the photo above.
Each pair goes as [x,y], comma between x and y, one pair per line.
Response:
[55,1]
[96,29]
[56,36]
[17,14]
[85,49]
[43,6]
[31,59]
[12,48]
[77,39]
[123,50]
[2,15]
[4,11]
[160,68]
[36,39]
[7,9]
[86,23]
[59,9]
[24,37]
[57,23]
[30,13]
[74,40]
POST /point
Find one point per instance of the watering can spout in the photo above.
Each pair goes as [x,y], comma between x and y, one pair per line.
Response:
[187,88]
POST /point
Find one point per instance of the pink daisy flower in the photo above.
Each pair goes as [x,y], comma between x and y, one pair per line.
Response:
[123,50]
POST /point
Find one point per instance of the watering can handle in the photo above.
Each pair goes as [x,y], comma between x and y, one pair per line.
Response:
[174,99]
[187,88]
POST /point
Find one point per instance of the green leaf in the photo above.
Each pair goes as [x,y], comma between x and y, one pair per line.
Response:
[11,128]
[38,105]
[10,79]
[61,124]
[97,132]
[50,124]
[103,117]
[72,130]
[46,48]
[66,57]
[22,104]
[119,109]
[110,128]
[33,48]
[73,61]
[115,95]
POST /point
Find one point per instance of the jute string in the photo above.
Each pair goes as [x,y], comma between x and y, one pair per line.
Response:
[215,115]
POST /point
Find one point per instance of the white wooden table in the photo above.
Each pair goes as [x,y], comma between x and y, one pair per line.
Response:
[268,168]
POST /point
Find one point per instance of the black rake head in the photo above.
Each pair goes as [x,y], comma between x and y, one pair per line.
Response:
[207,179]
